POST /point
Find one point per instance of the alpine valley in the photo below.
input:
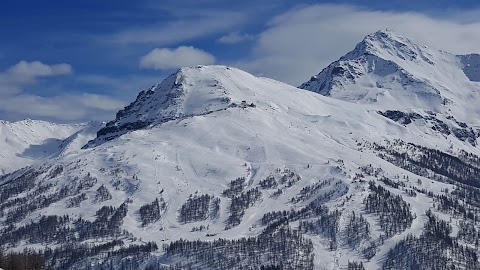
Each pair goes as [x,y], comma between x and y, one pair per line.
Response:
[374,163]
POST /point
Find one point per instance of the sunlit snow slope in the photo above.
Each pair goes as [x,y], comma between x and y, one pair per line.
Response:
[24,142]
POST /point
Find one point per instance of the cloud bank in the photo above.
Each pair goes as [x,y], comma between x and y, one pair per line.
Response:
[16,103]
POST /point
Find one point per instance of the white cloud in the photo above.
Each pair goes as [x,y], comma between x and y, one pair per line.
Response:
[98,102]
[24,73]
[302,41]
[166,58]
[62,107]
[38,69]
[235,37]
[15,103]
[125,87]
[198,25]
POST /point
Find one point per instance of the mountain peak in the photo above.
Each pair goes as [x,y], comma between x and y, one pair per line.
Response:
[392,71]
[390,45]
[191,91]
[385,35]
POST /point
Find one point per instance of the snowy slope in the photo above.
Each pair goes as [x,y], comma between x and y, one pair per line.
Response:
[205,126]
[80,138]
[24,142]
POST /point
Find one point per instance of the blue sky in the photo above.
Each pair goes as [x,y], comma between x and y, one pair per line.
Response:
[70,61]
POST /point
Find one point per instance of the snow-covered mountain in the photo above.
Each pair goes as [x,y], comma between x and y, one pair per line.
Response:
[215,168]
[394,72]
[407,82]
[25,142]
[179,96]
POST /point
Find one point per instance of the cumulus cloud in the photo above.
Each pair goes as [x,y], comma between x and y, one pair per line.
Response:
[37,69]
[16,103]
[302,41]
[166,58]
[24,73]
[235,37]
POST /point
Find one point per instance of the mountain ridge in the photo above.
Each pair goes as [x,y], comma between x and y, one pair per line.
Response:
[26,141]
[228,170]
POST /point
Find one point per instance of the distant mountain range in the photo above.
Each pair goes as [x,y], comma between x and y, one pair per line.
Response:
[25,142]
[372,164]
